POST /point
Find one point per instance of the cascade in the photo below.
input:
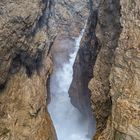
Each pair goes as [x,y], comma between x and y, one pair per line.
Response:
[69,123]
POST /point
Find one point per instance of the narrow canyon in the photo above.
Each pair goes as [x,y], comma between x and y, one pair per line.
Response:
[68,119]
[69,70]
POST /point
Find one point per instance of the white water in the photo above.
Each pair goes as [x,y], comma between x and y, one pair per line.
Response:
[68,121]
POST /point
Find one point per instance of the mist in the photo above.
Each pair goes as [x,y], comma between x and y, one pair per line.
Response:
[69,123]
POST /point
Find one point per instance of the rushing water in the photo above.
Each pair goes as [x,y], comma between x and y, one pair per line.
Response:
[68,121]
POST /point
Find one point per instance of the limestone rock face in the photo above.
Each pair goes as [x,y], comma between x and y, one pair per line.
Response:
[125,77]
[23,112]
[107,31]
[83,66]
[96,53]
[71,16]
[115,79]
[28,30]
[115,85]
[23,72]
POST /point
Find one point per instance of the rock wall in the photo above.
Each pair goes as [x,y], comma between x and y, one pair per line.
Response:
[115,77]
[114,88]
[108,57]
[124,78]
[28,30]
[78,91]
[107,31]
[23,111]
[89,48]
[24,68]
[96,53]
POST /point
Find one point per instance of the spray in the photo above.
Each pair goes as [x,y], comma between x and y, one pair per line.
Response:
[68,121]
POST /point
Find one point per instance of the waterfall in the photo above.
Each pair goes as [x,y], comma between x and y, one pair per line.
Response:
[68,121]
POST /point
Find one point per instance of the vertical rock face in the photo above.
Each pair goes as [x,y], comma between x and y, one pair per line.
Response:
[83,66]
[27,31]
[96,52]
[24,69]
[108,57]
[115,79]
[107,31]
[70,16]
[85,59]
[125,77]
[23,110]
[115,85]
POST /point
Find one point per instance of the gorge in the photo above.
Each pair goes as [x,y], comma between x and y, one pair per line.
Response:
[66,118]
[56,85]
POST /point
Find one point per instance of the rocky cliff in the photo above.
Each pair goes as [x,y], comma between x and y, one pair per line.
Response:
[24,68]
[106,70]
[111,51]
[108,31]
[28,30]
[123,121]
